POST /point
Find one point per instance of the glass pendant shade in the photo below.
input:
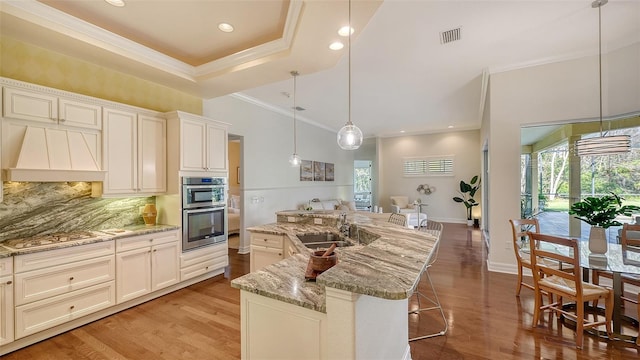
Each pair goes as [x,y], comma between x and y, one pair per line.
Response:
[603,145]
[349,137]
[294,160]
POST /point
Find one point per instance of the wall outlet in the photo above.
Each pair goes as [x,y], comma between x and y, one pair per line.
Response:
[317,221]
[291,218]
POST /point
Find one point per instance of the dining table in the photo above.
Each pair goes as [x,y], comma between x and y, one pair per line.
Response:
[618,260]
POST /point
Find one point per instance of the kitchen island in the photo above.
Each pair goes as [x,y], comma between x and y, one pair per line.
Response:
[355,310]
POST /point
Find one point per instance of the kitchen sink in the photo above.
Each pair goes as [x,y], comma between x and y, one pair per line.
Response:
[323,240]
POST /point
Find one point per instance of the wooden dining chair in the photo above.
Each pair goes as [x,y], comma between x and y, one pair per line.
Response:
[519,229]
[626,240]
[565,284]
[398,219]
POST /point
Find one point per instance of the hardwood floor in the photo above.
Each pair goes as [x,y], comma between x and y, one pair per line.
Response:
[486,320]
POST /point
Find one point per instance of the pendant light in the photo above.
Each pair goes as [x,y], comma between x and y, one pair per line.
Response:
[349,137]
[602,145]
[294,159]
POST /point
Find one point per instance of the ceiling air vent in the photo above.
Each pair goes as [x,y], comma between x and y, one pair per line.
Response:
[449,36]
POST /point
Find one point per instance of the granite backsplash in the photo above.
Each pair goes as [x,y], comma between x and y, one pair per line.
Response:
[31,209]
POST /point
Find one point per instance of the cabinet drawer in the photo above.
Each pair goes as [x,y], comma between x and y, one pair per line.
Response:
[204,254]
[268,240]
[46,259]
[43,283]
[203,267]
[6,266]
[47,313]
[136,242]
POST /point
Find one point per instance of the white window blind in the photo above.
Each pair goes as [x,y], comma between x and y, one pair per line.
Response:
[428,166]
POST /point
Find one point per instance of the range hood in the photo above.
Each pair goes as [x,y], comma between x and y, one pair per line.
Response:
[55,155]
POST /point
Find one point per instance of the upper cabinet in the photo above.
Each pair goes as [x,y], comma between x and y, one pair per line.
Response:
[49,109]
[196,146]
[134,153]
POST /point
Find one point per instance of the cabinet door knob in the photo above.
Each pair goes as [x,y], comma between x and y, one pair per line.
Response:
[62,120]
[154,250]
[279,254]
[9,282]
[71,278]
[72,307]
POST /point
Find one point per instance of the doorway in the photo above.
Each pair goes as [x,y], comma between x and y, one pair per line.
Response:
[362,184]
[235,213]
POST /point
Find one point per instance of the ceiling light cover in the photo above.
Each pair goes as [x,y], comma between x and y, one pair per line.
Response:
[344,31]
[118,3]
[602,145]
[224,27]
[336,45]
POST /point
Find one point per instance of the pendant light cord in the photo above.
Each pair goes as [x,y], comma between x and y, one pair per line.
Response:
[600,58]
[349,65]
[295,142]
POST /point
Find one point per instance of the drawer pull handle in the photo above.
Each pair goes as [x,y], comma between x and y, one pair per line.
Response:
[72,307]
[9,282]
[71,278]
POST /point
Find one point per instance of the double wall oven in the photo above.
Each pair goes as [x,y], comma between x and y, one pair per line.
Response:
[204,211]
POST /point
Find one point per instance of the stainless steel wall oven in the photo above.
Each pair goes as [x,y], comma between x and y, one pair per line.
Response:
[204,211]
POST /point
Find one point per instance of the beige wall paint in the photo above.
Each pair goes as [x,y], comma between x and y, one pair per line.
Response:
[463,145]
[25,62]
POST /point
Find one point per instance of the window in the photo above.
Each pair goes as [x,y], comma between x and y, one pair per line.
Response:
[428,166]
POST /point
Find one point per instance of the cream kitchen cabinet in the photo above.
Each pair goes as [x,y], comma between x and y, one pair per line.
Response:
[57,286]
[146,263]
[134,154]
[266,249]
[6,300]
[199,143]
[203,260]
[50,109]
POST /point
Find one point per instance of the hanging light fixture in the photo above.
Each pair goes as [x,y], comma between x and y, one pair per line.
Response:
[349,137]
[294,159]
[602,145]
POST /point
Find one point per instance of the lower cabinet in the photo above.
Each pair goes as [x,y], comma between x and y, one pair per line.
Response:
[53,287]
[203,260]
[6,300]
[266,249]
[146,263]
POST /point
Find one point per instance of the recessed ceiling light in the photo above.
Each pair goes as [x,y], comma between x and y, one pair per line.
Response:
[336,45]
[224,27]
[118,3]
[344,31]
[402,131]
[450,127]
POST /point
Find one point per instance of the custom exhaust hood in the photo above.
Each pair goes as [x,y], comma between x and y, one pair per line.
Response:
[55,155]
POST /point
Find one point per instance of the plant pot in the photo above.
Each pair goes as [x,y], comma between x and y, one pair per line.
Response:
[597,240]
[469,222]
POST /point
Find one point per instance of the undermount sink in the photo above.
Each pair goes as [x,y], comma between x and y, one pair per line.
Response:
[322,240]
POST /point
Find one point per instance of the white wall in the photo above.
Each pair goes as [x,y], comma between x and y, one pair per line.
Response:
[463,145]
[268,182]
[553,93]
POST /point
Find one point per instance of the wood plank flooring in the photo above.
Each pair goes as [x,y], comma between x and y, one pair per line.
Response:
[486,320]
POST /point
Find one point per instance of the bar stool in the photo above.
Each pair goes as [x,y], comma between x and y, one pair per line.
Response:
[433,303]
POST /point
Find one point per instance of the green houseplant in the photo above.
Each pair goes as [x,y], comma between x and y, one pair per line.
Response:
[467,192]
[601,213]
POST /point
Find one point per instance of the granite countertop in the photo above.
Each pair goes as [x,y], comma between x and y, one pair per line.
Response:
[386,261]
[34,244]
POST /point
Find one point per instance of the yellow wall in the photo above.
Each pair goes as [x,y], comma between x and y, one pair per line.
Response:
[234,164]
[26,62]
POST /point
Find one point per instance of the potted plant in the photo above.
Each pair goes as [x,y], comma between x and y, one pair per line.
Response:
[601,213]
[467,192]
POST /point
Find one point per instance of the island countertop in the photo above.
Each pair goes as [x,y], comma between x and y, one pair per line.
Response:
[386,262]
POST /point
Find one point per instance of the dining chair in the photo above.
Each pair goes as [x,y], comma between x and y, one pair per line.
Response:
[519,229]
[550,277]
[435,228]
[629,237]
[398,219]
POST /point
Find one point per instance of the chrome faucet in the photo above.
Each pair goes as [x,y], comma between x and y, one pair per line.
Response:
[345,227]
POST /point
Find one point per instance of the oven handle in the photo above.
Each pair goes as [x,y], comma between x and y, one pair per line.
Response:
[204,186]
[188,211]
